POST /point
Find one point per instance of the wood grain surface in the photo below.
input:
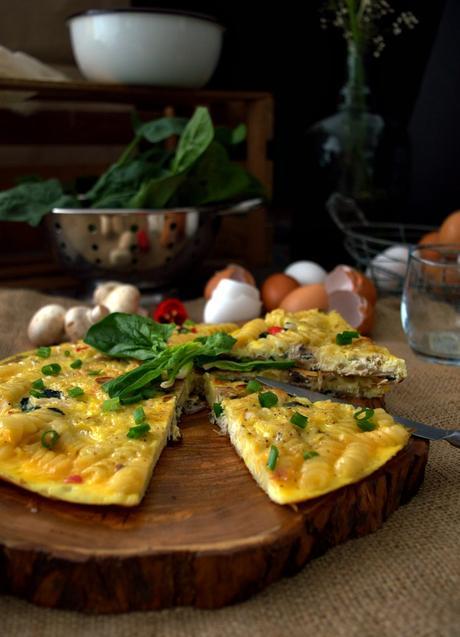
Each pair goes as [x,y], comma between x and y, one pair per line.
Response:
[205,535]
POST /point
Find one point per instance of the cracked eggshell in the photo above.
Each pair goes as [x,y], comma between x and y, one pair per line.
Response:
[232,302]
[232,271]
[344,277]
[355,309]
[306,272]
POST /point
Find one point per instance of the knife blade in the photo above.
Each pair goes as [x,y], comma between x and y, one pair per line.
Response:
[420,429]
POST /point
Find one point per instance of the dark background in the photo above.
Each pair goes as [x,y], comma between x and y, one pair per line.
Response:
[414,86]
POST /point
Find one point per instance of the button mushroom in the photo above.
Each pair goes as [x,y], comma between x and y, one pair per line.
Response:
[124,298]
[46,327]
[79,319]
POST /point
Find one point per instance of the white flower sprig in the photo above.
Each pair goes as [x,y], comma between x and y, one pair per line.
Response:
[364,22]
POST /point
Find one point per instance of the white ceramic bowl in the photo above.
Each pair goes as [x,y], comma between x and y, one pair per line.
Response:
[146,46]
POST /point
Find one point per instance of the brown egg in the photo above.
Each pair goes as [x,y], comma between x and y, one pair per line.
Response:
[307,297]
[429,237]
[449,232]
[355,309]
[232,271]
[343,277]
[275,288]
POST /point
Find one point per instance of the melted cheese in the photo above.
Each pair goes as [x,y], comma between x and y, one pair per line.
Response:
[345,453]
[93,461]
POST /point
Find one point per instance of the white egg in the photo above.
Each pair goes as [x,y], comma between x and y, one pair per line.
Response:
[306,272]
[232,301]
[388,268]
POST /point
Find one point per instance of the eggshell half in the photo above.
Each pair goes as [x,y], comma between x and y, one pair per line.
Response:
[232,302]
[307,297]
[344,277]
[355,309]
[232,271]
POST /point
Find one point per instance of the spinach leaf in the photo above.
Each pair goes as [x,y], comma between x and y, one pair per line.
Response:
[244,366]
[29,201]
[129,336]
[156,193]
[168,364]
[216,178]
[195,139]
[160,129]
[230,137]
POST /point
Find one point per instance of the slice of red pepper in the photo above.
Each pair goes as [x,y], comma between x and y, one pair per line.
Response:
[275,330]
[75,479]
[170,311]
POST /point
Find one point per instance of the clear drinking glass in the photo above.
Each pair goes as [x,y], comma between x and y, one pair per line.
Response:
[430,306]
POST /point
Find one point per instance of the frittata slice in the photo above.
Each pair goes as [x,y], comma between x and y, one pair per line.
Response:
[310,338]
[59,436]
[297,450]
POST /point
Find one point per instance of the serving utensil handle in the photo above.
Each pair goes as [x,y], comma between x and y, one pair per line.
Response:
[453,437]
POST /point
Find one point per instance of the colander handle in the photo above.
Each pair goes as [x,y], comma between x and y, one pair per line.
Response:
[241,208]
[344,211]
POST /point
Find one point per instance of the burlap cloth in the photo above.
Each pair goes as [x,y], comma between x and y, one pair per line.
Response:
[402,580]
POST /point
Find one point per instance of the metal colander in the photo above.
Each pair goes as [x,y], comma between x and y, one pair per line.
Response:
[365,240]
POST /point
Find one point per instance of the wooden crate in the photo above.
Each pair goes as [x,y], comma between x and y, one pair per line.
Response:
[75,129]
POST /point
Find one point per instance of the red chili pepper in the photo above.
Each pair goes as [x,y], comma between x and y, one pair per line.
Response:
[81,348]
[170,311]
[275,330]
[75,479]
[143,241]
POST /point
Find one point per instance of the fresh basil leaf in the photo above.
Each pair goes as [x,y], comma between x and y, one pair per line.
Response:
[244,366]
[193,142]
[129,336]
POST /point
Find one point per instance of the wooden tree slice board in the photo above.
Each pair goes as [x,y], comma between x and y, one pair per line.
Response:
[205,535]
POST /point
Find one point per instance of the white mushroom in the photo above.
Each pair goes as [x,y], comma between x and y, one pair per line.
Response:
[46,327]
[124,298]
[104,289]
[79,319]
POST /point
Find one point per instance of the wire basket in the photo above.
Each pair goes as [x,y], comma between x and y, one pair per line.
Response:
[366,241]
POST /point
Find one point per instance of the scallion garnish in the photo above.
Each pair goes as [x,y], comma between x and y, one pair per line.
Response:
[253,386]
[74,392]
[299,420]
[51,370]
[149,392]
[36,393]
[129,400]
[138,431]
[44,352]
[139,415]
[67,352]
[76,364]
[217,409]
[363,419]
[38,384]
[268,399]
[272,457]
[310,454]
[49,438]
[111,404]
[94,372]
[345,338]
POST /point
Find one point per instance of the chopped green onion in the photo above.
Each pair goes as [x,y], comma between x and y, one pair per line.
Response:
[74,392]
[51,370]
[44,352]
[268,399]
[129,400]
[363,417]
[139,415]
[138,431]
[111,404]
[365,425]
[253,386]
[94,372]
[345,338]
[217,409]
[67,352]
[310,454]
[299,420]
[38,384]
[272,457]
[188,323]
[36,394]
[365,413]
[76,364]
[49,438]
